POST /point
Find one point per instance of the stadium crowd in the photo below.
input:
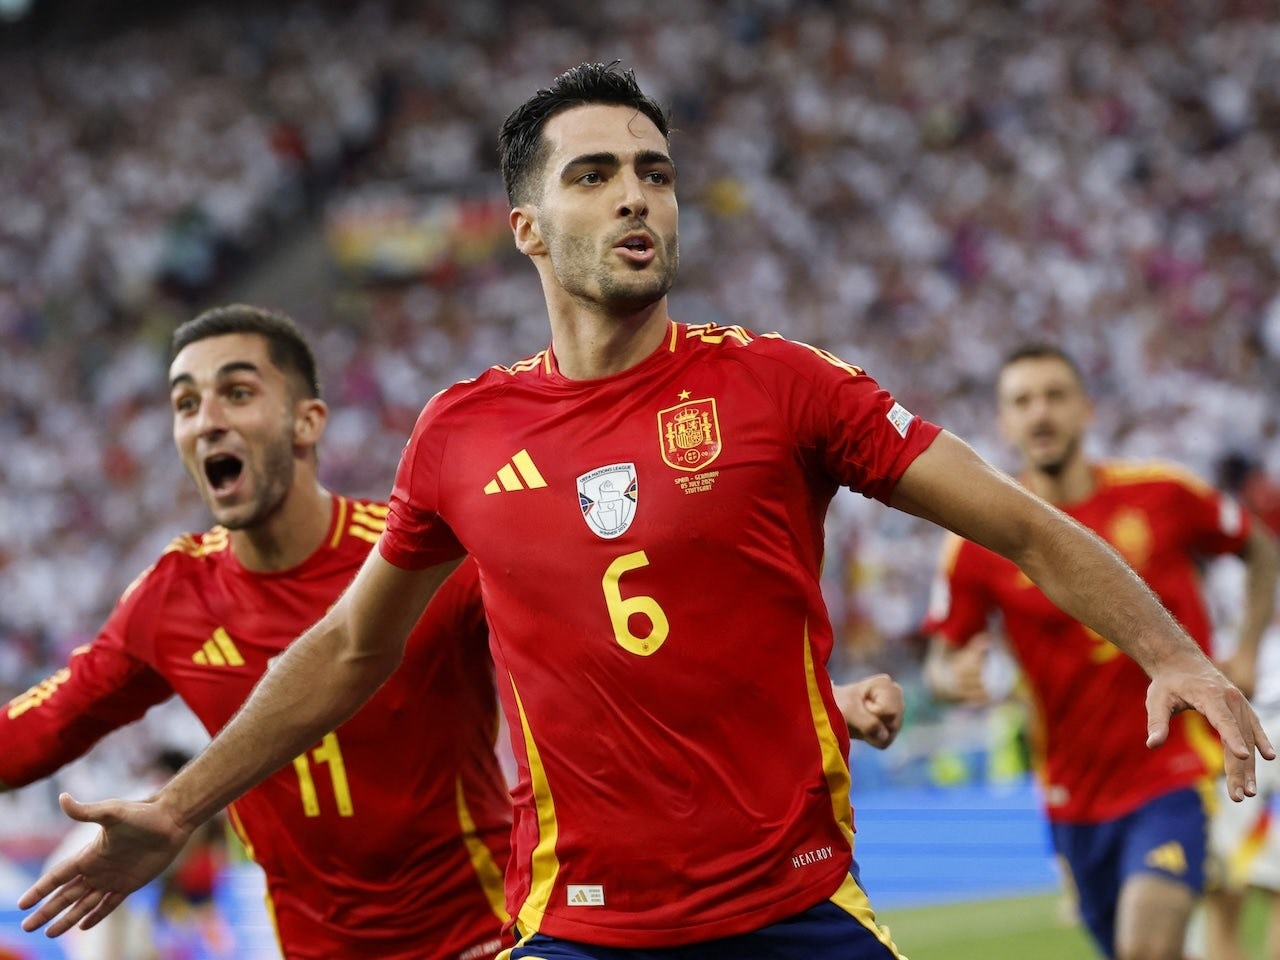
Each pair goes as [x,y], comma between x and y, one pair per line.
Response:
[913,185]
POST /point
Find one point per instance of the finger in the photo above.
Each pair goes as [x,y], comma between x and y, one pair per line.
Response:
[105,906]
[1238,748]
[1240,778]
[1262,741]
[59,899]
[74,914]
[861,722]
[876,736]
[61,874]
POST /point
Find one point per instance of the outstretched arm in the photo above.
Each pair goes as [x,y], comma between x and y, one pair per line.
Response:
[320,681]
[951,485]
[872,708]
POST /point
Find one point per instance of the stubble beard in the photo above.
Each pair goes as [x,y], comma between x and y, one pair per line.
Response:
[586,278]
[270,485]
[1056,466]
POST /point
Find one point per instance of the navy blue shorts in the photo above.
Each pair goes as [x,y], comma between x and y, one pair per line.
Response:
[842,928]
[1167,836]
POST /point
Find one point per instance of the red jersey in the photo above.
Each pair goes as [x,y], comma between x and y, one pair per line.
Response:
[649,546]
[389,837]
[1091,698]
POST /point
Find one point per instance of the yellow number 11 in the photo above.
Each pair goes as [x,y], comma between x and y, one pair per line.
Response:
[328,752]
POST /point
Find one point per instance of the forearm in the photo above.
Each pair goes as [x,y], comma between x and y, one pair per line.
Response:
[311,689]
[320,681]
[1084,576]
[1078,570]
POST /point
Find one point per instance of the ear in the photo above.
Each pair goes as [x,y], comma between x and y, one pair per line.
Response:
[524,228]
[309,419]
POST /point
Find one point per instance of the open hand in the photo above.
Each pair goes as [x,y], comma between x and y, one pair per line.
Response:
[137,841]
[1196,684]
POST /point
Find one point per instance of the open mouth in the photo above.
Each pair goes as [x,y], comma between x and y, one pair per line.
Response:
[637,248]
[222,470]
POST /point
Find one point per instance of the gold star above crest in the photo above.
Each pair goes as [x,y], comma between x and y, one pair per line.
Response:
[684,394]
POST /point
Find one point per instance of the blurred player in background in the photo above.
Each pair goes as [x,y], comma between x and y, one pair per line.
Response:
[1244,838]
[1128,822]
[682,764]
[386,838]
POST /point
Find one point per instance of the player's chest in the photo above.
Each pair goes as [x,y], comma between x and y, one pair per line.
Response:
[229,631]
[667,459]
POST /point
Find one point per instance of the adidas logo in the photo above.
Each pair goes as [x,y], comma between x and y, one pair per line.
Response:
[218,651]
[586,895]
[519,474]
[1169,857]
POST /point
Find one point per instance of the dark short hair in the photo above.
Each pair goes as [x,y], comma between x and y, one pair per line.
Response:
[522,150]
[1039,350]
[286,345]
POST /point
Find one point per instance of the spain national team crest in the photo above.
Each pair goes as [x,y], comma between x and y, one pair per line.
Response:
[689,434]
[607,496]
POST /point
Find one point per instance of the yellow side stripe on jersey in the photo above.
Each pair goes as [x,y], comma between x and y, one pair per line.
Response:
[834,766]
[487,870]
[545,864]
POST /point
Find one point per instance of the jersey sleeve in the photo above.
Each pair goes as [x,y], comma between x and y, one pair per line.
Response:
[1216,522]
[416,536]
[959,604]
[851,426]
[103,687]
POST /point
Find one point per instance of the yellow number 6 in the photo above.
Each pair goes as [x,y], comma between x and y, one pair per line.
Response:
[621,609]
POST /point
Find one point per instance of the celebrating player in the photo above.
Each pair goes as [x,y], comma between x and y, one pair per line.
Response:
[645,502]
[386,835]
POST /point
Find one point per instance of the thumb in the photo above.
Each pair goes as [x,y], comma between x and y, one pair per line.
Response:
[98,813]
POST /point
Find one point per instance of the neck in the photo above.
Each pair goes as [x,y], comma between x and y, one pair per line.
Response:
[1074,482]
[590,343]
[291,534]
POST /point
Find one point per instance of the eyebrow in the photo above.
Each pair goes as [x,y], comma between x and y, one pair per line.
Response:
[234,366]
[645,158]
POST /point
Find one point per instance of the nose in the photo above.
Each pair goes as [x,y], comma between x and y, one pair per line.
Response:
[634,205]
[209,420]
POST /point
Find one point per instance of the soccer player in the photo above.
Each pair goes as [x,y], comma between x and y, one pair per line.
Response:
[386,835]
[1244,838]
[1128,822]
[645,503]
